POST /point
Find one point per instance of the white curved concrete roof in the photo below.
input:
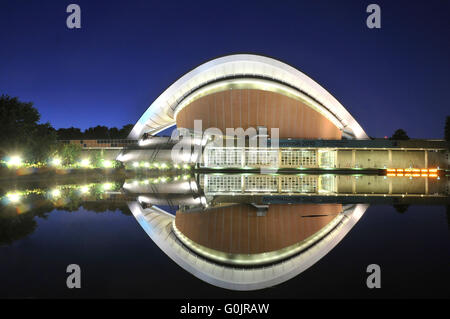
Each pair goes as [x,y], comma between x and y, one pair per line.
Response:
[161,113]
[158,225]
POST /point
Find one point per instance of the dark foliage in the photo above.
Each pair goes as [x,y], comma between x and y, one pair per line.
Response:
[20,130]
[400,134]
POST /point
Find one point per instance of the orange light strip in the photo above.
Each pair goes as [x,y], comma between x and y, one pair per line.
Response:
[415,172]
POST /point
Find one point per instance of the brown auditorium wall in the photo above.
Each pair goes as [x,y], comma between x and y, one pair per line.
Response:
[251,108]
[237,230]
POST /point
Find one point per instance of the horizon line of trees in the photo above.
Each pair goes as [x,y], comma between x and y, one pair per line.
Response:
[97,132]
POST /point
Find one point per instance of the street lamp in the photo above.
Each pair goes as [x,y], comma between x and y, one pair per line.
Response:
[85,162]
[14,161]
[107,163]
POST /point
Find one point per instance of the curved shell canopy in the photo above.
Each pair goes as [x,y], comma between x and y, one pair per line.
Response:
[162,112]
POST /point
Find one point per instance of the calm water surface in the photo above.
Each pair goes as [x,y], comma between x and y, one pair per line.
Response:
[119,260]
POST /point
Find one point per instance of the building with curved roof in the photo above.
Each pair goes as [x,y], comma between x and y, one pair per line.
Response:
[246,90]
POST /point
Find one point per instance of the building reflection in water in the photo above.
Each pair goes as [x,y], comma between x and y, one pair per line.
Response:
[252,231]
[235,231]
[237,248]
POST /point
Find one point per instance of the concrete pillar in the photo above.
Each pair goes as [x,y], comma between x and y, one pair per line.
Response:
[319,183]
[426,185]
[335,158]
[353,158]
[279,184]
[318,164]
[390,158]
[390,186]
[426,159]
[279,157]
[353,185]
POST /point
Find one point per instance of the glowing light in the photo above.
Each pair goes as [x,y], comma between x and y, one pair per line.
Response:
[107,163]
[84,189]
[147,164]
[185,177]
[13,197]
[135,164]
[85,162]
[55,193]
[56,161]
[433,175]
[412,172]
[163,179]
[186,166]
[107,186]
[14,161]
[164,165]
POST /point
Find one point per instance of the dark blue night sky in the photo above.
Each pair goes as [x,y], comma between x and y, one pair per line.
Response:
[128,52]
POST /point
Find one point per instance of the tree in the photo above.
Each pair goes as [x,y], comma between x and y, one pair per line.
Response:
[44,142]
[400,134]
[125,130]
[447,129]
[96,157]
[98,132]
[70,133]
[114,133]
[69,153]
[20,131]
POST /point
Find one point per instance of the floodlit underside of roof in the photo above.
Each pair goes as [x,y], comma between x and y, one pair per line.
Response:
[158,225]
[259,71]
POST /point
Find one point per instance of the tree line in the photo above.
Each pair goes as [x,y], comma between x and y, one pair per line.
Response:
[22,134]
[97,132]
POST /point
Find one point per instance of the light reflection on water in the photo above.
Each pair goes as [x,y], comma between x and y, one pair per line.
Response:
[49,225]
